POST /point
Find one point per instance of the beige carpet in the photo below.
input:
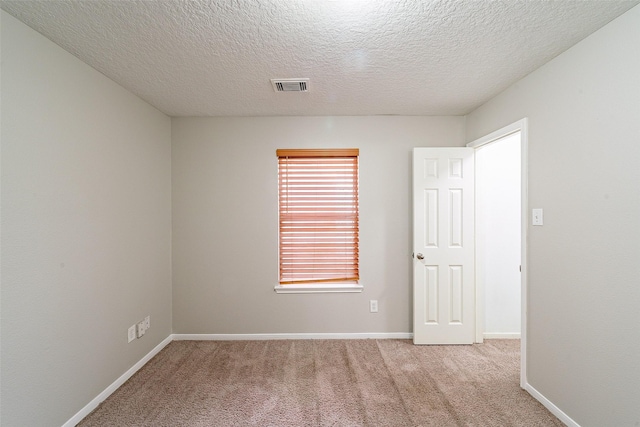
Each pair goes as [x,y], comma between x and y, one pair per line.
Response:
[325,383]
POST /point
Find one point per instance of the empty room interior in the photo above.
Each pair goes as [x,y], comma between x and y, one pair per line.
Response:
[143,149]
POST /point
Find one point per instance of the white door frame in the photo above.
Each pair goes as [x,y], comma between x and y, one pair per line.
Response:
[522,127]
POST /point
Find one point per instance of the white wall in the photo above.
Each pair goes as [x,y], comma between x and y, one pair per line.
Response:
[225,226]
[584,275]
[85,229]
[498,234]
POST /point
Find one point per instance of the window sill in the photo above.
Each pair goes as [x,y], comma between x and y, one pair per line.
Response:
[319,288]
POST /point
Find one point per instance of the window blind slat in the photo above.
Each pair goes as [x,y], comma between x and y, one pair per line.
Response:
[317,152]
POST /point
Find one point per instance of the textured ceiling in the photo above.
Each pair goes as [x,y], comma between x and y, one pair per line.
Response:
[205,58]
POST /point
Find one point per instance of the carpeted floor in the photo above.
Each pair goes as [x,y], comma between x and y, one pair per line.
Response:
[325,383]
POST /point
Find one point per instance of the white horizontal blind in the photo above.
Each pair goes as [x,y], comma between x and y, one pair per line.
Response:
[318,210]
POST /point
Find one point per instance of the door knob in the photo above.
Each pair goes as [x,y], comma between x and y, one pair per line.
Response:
[420,256]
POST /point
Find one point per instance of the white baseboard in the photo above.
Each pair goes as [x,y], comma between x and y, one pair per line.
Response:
[501,336]
[550,406]
[310,336]
[114,386]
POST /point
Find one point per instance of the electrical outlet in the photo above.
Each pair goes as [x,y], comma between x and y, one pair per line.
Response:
[141,329]
[131,333]
[147,322]
[373,306]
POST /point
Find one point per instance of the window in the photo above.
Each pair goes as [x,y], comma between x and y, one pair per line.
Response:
[318,214]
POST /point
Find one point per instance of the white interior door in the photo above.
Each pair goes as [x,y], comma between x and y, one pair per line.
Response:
[443,244]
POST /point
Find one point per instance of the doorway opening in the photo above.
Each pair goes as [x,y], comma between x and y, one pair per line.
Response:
[498,235]
[501,236]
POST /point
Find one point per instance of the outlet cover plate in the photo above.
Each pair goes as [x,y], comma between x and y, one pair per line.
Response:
[373,306]
[140,329]
[131,333]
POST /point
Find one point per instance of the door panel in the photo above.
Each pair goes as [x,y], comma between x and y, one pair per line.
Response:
[443,220]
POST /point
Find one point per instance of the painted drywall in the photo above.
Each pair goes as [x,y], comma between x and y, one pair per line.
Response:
[225,225]
[584,149]
[86,222]
[498,234]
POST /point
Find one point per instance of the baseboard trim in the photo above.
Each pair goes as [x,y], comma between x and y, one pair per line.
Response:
[550,406]
[501,336]
[114,386]
[310,336]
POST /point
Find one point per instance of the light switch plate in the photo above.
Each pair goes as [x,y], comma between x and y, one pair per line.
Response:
[537,217]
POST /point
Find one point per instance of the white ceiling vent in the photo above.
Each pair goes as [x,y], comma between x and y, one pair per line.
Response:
[290,85]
